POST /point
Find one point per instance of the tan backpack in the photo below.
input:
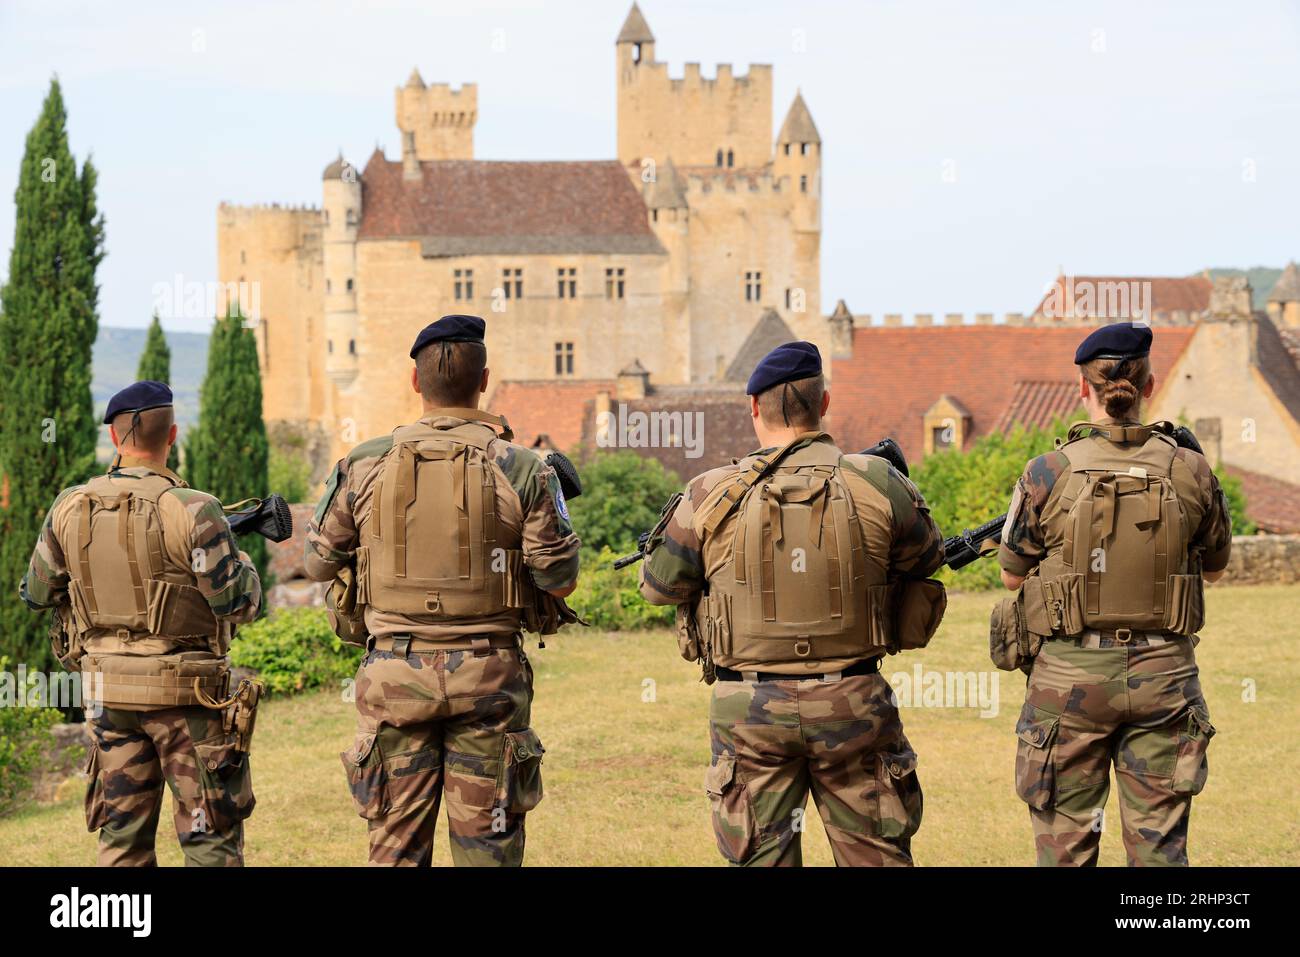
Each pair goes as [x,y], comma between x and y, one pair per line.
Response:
[1125,561]
[116,562]
[796,585]
[429,546]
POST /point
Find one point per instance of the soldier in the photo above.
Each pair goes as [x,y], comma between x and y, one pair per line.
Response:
[1107,541]
[455,537]
[148,582]
[787,568]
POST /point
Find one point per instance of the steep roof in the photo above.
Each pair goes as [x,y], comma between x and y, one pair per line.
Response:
[1277,364]
[469,207]
[799,126]
[1271,503]
[1288,285]
[1036,404]
[1189,294]
[667,191]
[897,372]
[635,29]
[335,169]
[769,332]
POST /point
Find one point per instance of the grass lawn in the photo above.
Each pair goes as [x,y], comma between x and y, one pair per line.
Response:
[624,775]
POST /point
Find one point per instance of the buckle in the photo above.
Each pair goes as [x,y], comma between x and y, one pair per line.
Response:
[402,645]
[806,645]
[433,603]
[1123,635]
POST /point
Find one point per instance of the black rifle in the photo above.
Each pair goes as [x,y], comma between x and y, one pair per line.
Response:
[960,550]
[887,449]
[269,517]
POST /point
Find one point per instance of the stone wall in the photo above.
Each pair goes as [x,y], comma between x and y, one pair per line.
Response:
[1264,560]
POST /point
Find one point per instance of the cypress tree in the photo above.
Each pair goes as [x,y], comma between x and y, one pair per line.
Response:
[226,452]
[156,364]
[48,323]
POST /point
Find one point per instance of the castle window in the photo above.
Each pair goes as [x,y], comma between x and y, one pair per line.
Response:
[464,284]
[753,286]
[803,184]
[566,282]
[352,347]
[512,278]
[329,345]
[803,149]
[787,149]
[352,217]
[636,53]
[329,286]
[564,358]
[349,285]
[614,283]
[787,297]
[654,215]
[731,159]
[719,157]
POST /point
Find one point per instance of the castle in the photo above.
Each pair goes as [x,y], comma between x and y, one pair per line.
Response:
[703,230]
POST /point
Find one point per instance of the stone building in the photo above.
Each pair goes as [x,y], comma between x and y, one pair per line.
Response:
[672,252]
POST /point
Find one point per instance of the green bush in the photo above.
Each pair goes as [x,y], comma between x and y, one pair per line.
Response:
[25,739]
[621,497]
[294,649]
[1236,496]
[289,473]
[609,599]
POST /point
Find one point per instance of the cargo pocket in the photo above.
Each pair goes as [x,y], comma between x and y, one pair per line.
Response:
[1036,757]
[227,783]
[519,785]
[898,791]
[96,808]
[733,817]
[1191,768]
[364,767]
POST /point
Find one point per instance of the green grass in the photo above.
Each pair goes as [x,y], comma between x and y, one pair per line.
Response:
[623,776]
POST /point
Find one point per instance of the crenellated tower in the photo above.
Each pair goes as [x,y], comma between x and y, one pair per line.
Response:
[439,120]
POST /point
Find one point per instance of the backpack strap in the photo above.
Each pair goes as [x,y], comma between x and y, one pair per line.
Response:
[735,488]
[474,415]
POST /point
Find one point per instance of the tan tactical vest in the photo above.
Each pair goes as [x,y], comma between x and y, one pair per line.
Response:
[1124,562]
[429,546]
[796,585]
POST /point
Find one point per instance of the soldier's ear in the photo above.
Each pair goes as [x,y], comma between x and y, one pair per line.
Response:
[171,436]
[1083,387]
[753,407]
[112,434]
[826,401]
[482,383]
[1150,387]
[415,378]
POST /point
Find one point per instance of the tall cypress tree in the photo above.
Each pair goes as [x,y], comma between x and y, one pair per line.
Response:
[48,323]
[226,452]
[156,364]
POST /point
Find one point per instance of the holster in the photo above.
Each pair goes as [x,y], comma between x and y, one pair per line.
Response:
[545,614]
[238,712]
[65,638]
[346,615]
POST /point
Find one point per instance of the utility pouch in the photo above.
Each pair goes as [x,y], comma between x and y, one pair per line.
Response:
[1012,645]
[1186,614]
[688,632]
[238,712]
[919,604]
[1063,600]
[345,613]
[65,638]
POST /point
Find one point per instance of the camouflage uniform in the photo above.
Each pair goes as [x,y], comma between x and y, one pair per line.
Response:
[1137,705]
[774,740]
[450,723]
[136,752]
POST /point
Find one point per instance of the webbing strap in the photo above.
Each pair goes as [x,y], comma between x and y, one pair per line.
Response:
[1160,592]
[460,479]
[742,483]
[832,553]
[738,552]
[126,527]
[767,568]
[489,511]
[83,556]
[403,495]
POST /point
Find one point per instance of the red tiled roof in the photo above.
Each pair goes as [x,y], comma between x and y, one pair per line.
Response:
[1038,404]
[1167,294]
[464,207]
[552,408]
[897,372]
[1272,504]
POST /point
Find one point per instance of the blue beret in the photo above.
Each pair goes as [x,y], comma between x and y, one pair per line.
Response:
[450,329]
[137,397]
[794,360]
[1119,340]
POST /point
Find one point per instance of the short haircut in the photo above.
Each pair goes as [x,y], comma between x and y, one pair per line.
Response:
[796,404]
[150,433]
[450,372]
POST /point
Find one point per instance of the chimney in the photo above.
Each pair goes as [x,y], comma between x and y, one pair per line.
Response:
[1209,432]
[410,165]
[841,322]
[633,382]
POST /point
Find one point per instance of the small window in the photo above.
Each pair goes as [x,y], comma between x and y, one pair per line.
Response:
[654,215]
[636,53]
[731,159]
[787,297]
[564,358]
[753,286]
[719,157]
[329,286]
[943,437]
[349,285]
[566,282]
[614,283]
[803,184]
[329,346]
[787,149]
[352,217]
[352,347]
[512,283]
[803,149]
[463,284]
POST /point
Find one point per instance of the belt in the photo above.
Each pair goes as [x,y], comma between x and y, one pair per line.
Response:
[403,645]
[1123,637]
[869,667]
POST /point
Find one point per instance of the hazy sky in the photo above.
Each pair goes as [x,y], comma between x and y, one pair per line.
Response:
[971,149]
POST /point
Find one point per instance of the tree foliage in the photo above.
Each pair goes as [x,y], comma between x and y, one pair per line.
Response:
[622,493]
[156,365]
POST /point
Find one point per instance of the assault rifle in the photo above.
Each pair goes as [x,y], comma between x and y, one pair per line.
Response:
[887,449]
[960,550]
[269,517]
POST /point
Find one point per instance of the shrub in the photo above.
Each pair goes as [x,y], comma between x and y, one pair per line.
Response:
[25,740]
[294,649]
[609,599]
[289,473]
[1236,496]
[621,497]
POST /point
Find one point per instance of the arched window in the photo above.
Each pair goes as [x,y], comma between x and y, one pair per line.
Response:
[636,53]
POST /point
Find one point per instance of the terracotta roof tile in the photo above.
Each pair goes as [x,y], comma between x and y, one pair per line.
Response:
[1272,504]
[1038,404]
[897,372]
[544,407]
[1189,294]
[470,207]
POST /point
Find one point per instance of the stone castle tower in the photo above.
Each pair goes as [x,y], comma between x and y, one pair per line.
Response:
[699,240]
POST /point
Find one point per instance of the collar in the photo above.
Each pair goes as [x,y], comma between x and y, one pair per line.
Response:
[139,468]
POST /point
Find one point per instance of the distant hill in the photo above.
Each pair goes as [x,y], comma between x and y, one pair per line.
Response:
[1262,280]
[117,355]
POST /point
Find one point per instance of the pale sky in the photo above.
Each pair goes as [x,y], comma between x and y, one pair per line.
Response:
[971,149]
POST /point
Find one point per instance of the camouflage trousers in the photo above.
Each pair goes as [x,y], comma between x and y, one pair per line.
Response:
[1137,707]
[134,753]
[445,724]
[773,741]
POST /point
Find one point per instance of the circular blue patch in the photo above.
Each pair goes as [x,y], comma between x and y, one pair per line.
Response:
[561,506]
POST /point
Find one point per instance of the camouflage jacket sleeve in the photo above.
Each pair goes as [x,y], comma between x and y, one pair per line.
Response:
[915,542]
[1023,543]
[46,583]
[673,570]
[550,544]
[332,535]
[228,581]
[1214,533]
